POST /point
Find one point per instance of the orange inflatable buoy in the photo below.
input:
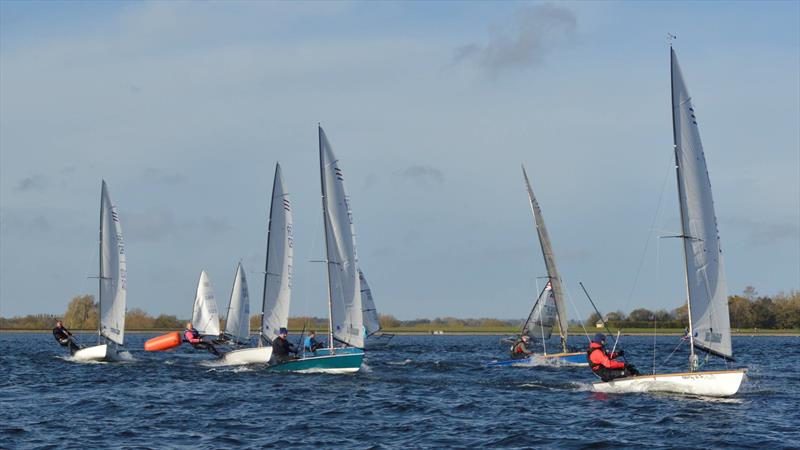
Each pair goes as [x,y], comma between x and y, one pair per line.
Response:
[163,342]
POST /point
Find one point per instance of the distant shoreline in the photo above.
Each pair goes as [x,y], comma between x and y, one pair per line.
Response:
[667,332]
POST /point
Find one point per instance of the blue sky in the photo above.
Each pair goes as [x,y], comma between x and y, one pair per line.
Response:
[184,108]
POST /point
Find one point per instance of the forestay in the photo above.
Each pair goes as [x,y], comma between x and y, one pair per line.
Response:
[549,259]
[342,262]
[704,266]
[542,317]
[113,270]
[205,317]
[371,322]
[278,269]
[237,322]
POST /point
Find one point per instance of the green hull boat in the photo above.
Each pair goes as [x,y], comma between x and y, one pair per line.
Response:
[335,364]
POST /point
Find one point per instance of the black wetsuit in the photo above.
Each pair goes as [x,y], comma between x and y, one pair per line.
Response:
[64,337]
[281,350]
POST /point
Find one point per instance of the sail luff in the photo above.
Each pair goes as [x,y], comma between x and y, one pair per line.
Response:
[278,265]
[705,277]
[549,261]
[113,271]
[326,226]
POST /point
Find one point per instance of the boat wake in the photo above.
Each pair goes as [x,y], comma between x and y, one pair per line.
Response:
[72,359]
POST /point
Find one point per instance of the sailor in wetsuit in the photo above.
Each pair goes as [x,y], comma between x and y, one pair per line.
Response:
[520,348]
[64,337]
[603,364]
[282,348]
[192,336]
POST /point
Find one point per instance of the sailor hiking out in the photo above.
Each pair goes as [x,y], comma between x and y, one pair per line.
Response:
[603,364]
[64,337]
[192,336]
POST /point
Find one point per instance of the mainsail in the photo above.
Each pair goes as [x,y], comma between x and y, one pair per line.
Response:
[205,318]
[371,322]
[343,281]
[112,271]
[237,322]
[278,268]
[705,276]
[542,317]
[549,262]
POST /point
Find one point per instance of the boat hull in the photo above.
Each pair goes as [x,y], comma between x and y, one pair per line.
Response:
[338,363]
[257,355]
[723,383]
[556,359]
[95,353]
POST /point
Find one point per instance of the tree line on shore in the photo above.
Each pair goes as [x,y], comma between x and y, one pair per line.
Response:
[747,311]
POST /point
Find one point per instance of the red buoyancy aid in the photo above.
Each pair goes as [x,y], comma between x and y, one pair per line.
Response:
[599,358]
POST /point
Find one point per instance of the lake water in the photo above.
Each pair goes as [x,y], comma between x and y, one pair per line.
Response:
[423,391]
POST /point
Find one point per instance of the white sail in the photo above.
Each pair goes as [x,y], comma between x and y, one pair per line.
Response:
[278,269]
[705,274]
[371,321]
[342,262]
[549,260]
[237,322]
[542,317]
[205,317]
[113,270]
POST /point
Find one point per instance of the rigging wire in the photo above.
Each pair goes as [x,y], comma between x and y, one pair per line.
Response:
[650,231]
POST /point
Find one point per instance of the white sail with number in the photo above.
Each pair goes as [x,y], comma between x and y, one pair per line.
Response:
[278,272]
[237,322]
[705,275]
[342,262]
[205,316]
[113,270]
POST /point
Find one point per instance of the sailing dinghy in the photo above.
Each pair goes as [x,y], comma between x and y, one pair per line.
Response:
[345,305]
[277,277]
[707,298]
[549,308]
[112,285]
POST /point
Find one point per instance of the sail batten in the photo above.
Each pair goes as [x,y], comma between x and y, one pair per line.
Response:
[205,316]
[705,274]
[113,271]
[278,266]
[549,259]
[237,322]
[344,283]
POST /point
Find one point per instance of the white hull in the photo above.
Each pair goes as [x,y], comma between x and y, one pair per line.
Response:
[724,383]
[96,353]
[257,355]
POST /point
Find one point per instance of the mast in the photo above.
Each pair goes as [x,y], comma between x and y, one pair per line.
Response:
[325,228]
[266,259]
[100,268]
[682,207]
